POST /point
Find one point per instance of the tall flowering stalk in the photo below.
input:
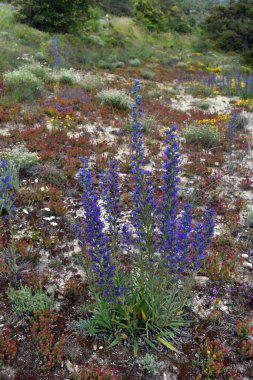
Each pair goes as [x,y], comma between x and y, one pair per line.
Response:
[169,204]
[8,183]
[141,274]
[99,251]
[144,204]
[231,132]
[6,190]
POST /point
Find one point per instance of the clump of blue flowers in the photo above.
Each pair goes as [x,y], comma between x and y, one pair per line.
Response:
[141,273]
[9,181]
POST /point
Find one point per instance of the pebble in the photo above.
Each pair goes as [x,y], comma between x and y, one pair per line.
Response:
[247,265]
[71,367]
[245,256]
[201,280]
[49,218]
[224,308]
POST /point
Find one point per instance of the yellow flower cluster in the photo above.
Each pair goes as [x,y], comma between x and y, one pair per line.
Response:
[210,122]
[233,84]
[244,103]
[209,353]
[213,69]
[222,118]
[191,68]
[67,122]
[218,122]
[216,90]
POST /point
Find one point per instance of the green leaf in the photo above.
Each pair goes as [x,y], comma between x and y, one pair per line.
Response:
[168,345]
[151,344]
[135,346]
[116,341]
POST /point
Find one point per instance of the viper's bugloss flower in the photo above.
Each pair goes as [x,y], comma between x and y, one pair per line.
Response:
[99,250]
[6,190]
[111,196]
[127,258]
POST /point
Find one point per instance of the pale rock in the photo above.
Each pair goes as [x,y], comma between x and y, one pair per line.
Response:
[248,265]
[71,367]
[201,280]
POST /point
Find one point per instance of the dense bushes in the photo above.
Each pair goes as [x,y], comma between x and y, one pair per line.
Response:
[22,84]
[231,26]
[160,16]
[57,15]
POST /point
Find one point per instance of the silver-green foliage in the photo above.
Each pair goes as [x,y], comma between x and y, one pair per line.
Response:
[20,157]
[24,300]
[91,82]
[202,134]
[22,84]
[134,62]
[147,74]
[36,69]
[116,98]
[149,363]
[65,76]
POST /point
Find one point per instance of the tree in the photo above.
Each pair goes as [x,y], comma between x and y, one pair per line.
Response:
[53,15]
[150,14]
[231,26]
[117,7]
[161,15]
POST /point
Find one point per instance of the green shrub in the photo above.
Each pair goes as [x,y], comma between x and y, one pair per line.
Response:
[66,76]
[134,62]
[154,94]
[116,98]
[241,122]
[203,106]
[182,66]
[111,65]
[202,134]
[149,363]
[95,40]
[36,69]
[147,74]
[24,300]
[22,85]
[148,122]
[91,82]
[19,156]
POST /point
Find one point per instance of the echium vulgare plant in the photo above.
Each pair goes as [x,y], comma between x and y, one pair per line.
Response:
[140,273]
[8,182]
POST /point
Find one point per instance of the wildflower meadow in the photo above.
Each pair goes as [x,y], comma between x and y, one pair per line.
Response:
[126,191]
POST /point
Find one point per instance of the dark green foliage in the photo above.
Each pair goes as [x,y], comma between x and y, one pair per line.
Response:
[149,13]
[56,15]
[231,26]
[161,15]
[119,8]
